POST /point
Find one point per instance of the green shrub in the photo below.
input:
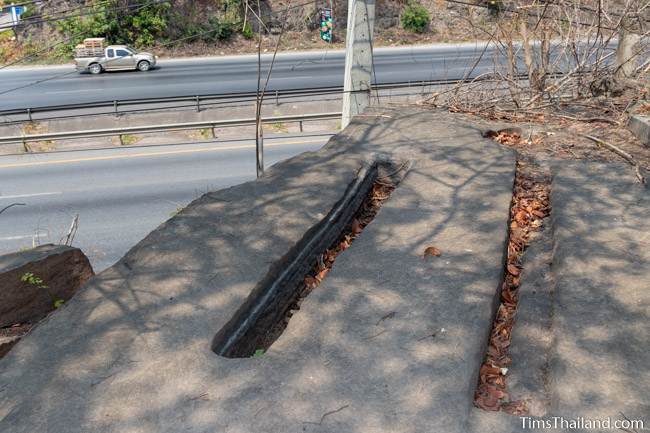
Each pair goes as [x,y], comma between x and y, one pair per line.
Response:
[232,10]
[6,46]
[193,31]
[33,280]
[139,27]
[247,31]
[157,22]
[495,7]
[214,30]
[415,17]
[222,30]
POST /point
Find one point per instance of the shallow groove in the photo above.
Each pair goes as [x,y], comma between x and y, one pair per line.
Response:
[529,211]
[260,321]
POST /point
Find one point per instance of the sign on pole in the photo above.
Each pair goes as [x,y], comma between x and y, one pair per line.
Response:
[16,12]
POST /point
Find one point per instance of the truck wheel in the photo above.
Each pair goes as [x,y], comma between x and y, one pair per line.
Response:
[144,66]
[95,68]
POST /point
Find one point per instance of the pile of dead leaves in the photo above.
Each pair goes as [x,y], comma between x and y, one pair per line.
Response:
[512,137]
[378,194]
[530,205]
[644,108]
[508,138]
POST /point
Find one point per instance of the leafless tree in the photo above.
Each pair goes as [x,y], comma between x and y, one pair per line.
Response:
[261,90]
[558,51]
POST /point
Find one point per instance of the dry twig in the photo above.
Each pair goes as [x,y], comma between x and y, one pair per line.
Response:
[69,237]
[620,152]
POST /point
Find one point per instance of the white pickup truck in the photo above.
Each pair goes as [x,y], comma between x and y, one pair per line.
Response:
[112,58]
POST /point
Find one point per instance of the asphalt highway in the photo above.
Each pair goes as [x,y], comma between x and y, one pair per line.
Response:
[121,194]
[59,85]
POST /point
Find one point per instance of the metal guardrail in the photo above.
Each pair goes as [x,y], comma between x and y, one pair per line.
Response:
[108,132]
[193,100]
[197,102]
[207,101]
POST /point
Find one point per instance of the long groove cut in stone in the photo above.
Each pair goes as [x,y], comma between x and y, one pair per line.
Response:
[260,321]
[529,209]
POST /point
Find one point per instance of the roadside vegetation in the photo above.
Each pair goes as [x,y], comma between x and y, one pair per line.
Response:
[141,27]
[415,17]
[208,27]
[218,27]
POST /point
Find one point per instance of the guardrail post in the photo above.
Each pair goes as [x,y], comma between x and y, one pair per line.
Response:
[214,134]
[198,104]
[115,107]
[121,140]
[29,114]
[277,98]
[300,122]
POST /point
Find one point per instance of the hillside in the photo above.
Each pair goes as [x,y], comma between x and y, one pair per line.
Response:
[176,28]
[214,27]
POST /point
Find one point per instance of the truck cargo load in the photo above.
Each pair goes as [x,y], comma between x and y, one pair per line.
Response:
[91,47]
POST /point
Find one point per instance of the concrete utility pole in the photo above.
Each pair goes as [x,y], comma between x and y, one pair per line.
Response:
[358,58]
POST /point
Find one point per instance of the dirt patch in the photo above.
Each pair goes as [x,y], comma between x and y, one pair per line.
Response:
[561,132]
[34,284]
[529,210]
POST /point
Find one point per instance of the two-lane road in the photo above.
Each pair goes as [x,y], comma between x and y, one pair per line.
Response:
[121,194]
[59,85]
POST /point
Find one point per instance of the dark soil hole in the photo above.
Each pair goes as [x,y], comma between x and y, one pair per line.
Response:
[265,314]
[529,210]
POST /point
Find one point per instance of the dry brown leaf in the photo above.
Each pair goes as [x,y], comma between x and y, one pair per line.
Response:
[513,270]
[311,282]
[432,251]
[487,402]
[356,226]
[539,213]
[521,217]
[536,223]
[487,371]
[509,296]
[644,109]
[498,393]
[517,407]
[321,275]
